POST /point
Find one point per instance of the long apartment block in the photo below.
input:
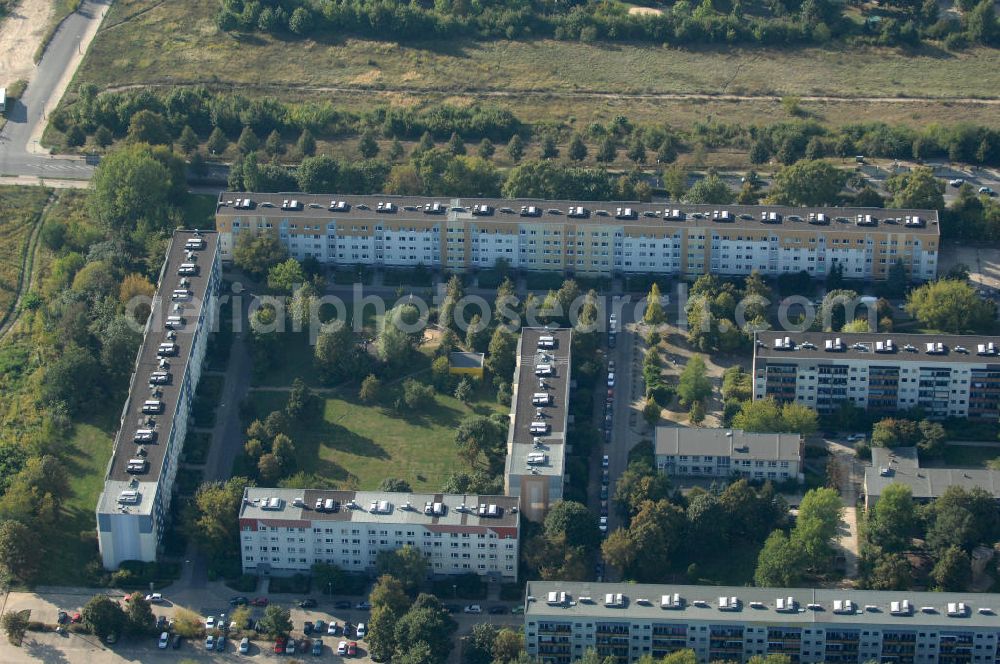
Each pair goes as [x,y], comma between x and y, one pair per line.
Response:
[132,510]
[945,375]
[727,453]
[535,470]
[598,238]
[286,531]
[562,620]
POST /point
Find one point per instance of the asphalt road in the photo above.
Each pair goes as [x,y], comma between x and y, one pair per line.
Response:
[27,116]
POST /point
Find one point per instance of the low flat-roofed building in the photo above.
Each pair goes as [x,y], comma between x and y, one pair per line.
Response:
[945,375]
[286,531]
[563,619]
[535,469]
[690,452]
[133,508]
[466,364]
[901,465]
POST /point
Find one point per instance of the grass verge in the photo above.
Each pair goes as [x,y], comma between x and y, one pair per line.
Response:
[20,210]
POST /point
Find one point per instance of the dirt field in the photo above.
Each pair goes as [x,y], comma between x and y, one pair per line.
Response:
[20,34]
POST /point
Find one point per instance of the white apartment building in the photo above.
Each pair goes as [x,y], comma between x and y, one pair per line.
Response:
[945,375]
[286,531]
[562,620]
[586,237]
[728,453]
[132,510]
[535,469]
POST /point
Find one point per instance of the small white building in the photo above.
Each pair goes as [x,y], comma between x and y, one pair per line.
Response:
[726,453]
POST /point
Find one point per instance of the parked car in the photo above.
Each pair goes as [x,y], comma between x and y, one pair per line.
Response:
[352,648]
[290,646]
[161,623]
[342,648]
[361,631]
[154,598]
[75,618]
[604,492]
[987,191]
[332,629]
[239,600]
[210,642]
[603,524]
[363,605]
[317,647]
[517,610]
[62,618]
[342,604]
[308,603]
[220,643]
[164,640]
[245,645]
[279,645]
[259,601]
[307,627]
[473,608]
[175,642]
[497,610]
[957,182]
[605,461]
[319,627]
[453,608]
[611,379]
[210,622]
[611,366]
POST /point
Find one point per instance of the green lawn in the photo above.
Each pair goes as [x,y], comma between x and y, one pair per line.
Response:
[358,445]
[967,456]
[87,463]
[199,211]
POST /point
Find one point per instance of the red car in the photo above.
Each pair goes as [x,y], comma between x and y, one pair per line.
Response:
[279,646]
[76,618]
[258,601]
[352,648]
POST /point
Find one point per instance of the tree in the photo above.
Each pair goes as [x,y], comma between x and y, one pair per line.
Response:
[779,562]
[515,148]
[508,645]
[149,127]
[407,564]
[710,189]
[480,437]
[637,150]
[277,621]
[657,530]
[916,190]
[549,148]
[816,527]
[640,482]
[15,624]
[306,145]
[962,518]
[477,336]
[892,521]
[213,517]
[654,307]
[808,183]
[799,418]
[370,391]
[248,141]
[486,149]
[333,352]
[133,188]
[188,140]
[257,254]
[286,276]
[651,412]
[675,182]
[139,615]
[301,21]
[394,484]
[464,391]
[103,137]
[891,571]
[431,626]
[696,415]
[479,645]
[103,616]
[577,150]
[608,150]
[502,353]
[953,570]
[618,549]
[694,384]
[416,395]
[36,494]
[368,146]
[950,306]
[273,145]
[19,545]
[572,524]
[217,142]
[398,338]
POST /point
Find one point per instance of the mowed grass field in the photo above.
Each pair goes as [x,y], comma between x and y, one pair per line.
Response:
[20,210]
[149,42]
[358,445]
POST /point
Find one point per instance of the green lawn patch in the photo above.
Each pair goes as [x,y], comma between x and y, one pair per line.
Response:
[199,211]
[358,445]
[196,447]
[967,456]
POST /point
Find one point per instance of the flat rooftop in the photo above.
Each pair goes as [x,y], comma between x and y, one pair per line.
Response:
[874,346]
[299,506]
[673,440]
[460,360]
[903,467]
[654,215]
[148,362]
[552,443]
[758,605]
